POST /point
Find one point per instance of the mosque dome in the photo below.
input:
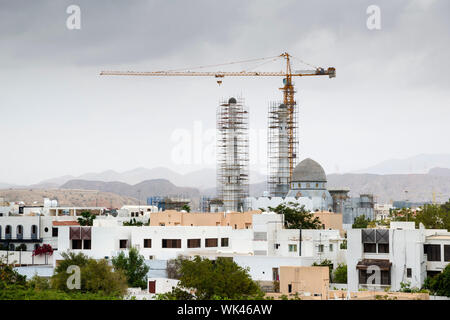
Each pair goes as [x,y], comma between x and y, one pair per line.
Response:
[309,171]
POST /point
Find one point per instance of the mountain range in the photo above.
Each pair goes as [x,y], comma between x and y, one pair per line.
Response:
[421,163]
[201,179]
[142,183]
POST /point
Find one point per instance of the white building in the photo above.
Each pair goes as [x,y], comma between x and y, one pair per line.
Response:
[399,254]
[382,211]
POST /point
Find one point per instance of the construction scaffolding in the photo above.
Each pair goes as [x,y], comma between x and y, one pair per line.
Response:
[232,153]
[282,146]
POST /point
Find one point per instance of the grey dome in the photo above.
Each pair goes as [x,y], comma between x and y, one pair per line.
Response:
[232,100]
[309,171]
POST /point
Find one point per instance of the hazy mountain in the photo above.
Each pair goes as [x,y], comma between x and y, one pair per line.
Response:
[413,187]
[443,172]
[201,179]
[142,190]
[421,163]
[68,197]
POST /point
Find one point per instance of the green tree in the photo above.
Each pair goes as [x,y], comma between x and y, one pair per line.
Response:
[9,276]
[96,276]
[404,214]
[86,219]
[340,274]
[297,217]
[439,284]
[360,222]
[133,266]
[133,222]
[433,216]
[21,247]
[186,208]
[215,279]
[173,267]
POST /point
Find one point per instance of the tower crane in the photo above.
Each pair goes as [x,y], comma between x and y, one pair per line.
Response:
[287,89]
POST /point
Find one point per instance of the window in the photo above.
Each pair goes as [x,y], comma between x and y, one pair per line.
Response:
[383,248]
[194,243]
[289,288]
[8,230]
[86,244]
[331,247]
[446,252]
[123,243]
[235,226]
[171,243]
[162,224]
[34,229]
[292,248]
[211,242]
[275,276]
[76,244]
[46,229]
[364,277]
[370,247]
[320,247]
[54,232]
[433,252]
[224,242]
[147,243]
[408,272]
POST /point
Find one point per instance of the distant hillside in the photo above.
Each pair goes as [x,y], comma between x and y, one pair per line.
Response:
[443,172]
[419,187]
[201,179]
[68,197]
[156,187]
[421,163]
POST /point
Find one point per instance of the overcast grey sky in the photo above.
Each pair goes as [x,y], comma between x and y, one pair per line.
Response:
[390,98]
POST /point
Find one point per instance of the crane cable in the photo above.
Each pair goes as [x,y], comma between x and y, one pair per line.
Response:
[221,64]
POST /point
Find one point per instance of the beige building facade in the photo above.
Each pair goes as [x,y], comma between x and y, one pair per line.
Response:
[236,220]
[307,281]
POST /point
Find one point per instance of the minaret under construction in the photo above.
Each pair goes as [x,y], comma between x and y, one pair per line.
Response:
[232,153]
[282,146]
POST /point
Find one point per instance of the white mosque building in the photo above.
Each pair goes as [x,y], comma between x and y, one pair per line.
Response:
[309,188]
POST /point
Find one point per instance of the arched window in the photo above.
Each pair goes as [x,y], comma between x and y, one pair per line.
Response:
[11,247]
[33,231]
[19,232]
[8,231]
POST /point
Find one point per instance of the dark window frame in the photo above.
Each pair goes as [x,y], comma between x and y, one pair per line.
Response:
[211,242]
[87,244]
[446,252]
[194,243]
[384,247]
[78,246]
[224,242]
[147,243]
[171,243]
[370,247]
[121,242]
[433,252]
